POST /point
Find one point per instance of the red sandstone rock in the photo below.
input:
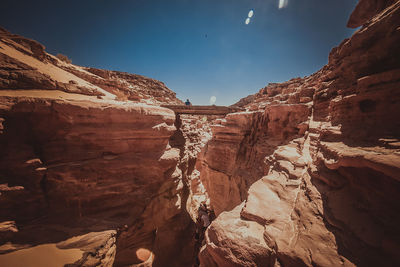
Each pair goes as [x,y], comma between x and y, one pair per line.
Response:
[327,184]
[235,242]
[24,64]
[73,163]
[365,10]
[74,155]
[77,140]
[166,226]
[77,163]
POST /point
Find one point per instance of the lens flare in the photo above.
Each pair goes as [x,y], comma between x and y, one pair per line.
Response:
[283,3]
[247,21]
[251,13]
[213,99]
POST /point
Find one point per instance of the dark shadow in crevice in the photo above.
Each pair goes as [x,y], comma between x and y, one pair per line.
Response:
[372,198]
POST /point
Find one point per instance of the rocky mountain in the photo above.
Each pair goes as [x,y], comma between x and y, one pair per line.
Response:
[24,64]
[94,172]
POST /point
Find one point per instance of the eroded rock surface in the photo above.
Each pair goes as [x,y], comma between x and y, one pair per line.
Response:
[315,161]
[24,64]
[78,165]
[166,227]
[79,168]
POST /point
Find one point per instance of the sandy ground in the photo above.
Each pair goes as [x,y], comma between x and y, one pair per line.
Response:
[76,67]
[47,255]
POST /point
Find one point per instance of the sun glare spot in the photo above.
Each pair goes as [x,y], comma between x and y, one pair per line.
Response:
[283,3]
[143,254]
[213,99]
[247,21]
[251,13]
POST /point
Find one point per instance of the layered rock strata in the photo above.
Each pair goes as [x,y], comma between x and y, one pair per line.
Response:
[166,227]
[78,167]
[309,175]
[24,64]
[72,166]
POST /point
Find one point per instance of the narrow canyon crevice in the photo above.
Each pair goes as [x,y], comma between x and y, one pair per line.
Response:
[166,229]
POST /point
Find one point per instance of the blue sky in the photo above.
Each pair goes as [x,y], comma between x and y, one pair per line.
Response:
[198,48]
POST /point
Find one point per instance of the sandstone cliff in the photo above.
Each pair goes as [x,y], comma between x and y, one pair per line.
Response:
[24,64]
[84,157]
[309,174]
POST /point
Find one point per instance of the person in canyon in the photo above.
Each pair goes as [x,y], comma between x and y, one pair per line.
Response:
[203,221]
[204,215]
[204,218]
[187,103]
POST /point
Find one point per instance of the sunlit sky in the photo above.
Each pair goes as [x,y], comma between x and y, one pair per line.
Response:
[199,48]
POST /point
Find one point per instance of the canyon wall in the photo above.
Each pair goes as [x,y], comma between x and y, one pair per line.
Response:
[167,225]
[88,161]
[309,174]
[73,167]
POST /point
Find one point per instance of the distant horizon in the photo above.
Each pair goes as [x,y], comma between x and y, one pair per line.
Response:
[205,51]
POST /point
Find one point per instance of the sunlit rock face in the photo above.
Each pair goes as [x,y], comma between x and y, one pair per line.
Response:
[166,227]
[72,167]
[310,173]
[241,141]
[79,167]
[53,146]
[24,64]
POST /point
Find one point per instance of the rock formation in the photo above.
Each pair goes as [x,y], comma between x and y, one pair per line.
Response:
[79,166]
[309,175]
[24,64]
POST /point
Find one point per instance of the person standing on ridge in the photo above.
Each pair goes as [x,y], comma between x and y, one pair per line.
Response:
[187,103]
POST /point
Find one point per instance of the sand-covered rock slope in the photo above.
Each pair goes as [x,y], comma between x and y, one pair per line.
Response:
[24,64]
